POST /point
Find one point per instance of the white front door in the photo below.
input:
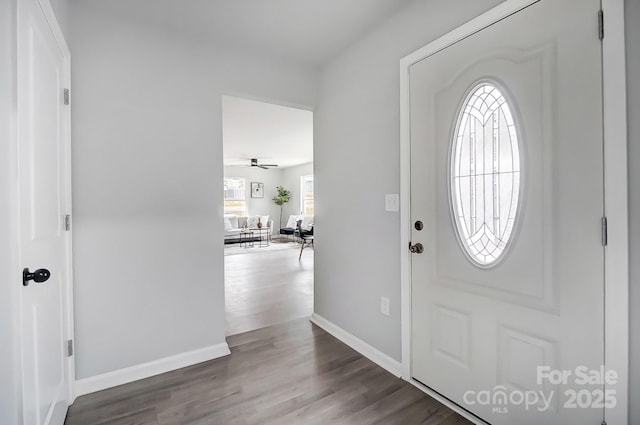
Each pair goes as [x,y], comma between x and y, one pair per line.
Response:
[43,152]
[507,180]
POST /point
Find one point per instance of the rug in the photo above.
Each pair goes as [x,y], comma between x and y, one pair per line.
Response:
[275,245]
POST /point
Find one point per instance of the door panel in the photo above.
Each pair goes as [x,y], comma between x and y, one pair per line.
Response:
[44,190]
[476,327]
[521,71]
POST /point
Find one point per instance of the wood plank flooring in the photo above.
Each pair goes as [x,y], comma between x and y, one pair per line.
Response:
[267,287]
[292,373]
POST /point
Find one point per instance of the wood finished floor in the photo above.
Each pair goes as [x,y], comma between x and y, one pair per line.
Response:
[292,373]
[267,288]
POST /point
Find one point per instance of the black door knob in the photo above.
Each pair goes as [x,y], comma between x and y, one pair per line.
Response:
[417,248]
[39,276]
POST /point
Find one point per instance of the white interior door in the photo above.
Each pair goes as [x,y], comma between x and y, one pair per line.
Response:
[43,152]
[507,178]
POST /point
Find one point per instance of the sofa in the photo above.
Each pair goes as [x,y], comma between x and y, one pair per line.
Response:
[233,225]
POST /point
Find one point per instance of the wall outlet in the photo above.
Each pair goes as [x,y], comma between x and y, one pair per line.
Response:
[384,306]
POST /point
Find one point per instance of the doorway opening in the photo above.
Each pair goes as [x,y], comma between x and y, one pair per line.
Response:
[268,213]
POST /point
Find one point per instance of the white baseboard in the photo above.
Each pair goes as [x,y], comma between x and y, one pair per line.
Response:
[146,370]
[381,359]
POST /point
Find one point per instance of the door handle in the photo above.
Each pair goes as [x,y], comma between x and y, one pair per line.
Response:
[39,276]
[417,248]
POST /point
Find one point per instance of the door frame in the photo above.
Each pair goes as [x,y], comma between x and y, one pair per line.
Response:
[54,26]
[615,185]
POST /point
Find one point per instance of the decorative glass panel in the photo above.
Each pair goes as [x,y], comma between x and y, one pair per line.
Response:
[485,174]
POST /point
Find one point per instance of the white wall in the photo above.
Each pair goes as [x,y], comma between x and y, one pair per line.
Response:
[633,98]
[9,276]
[356,158]
[291,181]
[260,206]
[147,155]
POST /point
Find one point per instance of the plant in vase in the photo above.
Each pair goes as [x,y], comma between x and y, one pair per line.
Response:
[281,198]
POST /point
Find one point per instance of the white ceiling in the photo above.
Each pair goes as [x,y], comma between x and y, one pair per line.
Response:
[271,133]
[308,32]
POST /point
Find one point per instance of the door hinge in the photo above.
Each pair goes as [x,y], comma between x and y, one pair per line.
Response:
[600,24]
[69,348]
[605,231]
[67,96]
[67,222]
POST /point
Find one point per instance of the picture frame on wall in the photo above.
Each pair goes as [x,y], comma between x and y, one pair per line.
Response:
[257,190]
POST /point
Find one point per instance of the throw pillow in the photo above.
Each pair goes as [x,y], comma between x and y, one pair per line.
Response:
[227,224]
[233,219]
[291,223]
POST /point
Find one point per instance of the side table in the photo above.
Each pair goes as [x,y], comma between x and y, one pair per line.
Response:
[263,234]
[246,237]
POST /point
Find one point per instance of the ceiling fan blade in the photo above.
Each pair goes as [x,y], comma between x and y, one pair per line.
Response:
[255,163]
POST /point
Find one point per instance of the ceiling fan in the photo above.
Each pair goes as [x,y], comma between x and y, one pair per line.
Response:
[255,163]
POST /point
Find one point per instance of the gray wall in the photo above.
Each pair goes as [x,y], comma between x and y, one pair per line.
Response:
[147,175]
[9,278]
[632,25]
[356,158]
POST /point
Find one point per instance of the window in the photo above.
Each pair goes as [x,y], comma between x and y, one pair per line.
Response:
[485,174]
[235,201]
[306,195]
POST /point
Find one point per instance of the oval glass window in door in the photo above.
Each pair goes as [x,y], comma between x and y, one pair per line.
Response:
[485,174]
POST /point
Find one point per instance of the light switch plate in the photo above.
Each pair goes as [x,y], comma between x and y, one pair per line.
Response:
[392,202]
